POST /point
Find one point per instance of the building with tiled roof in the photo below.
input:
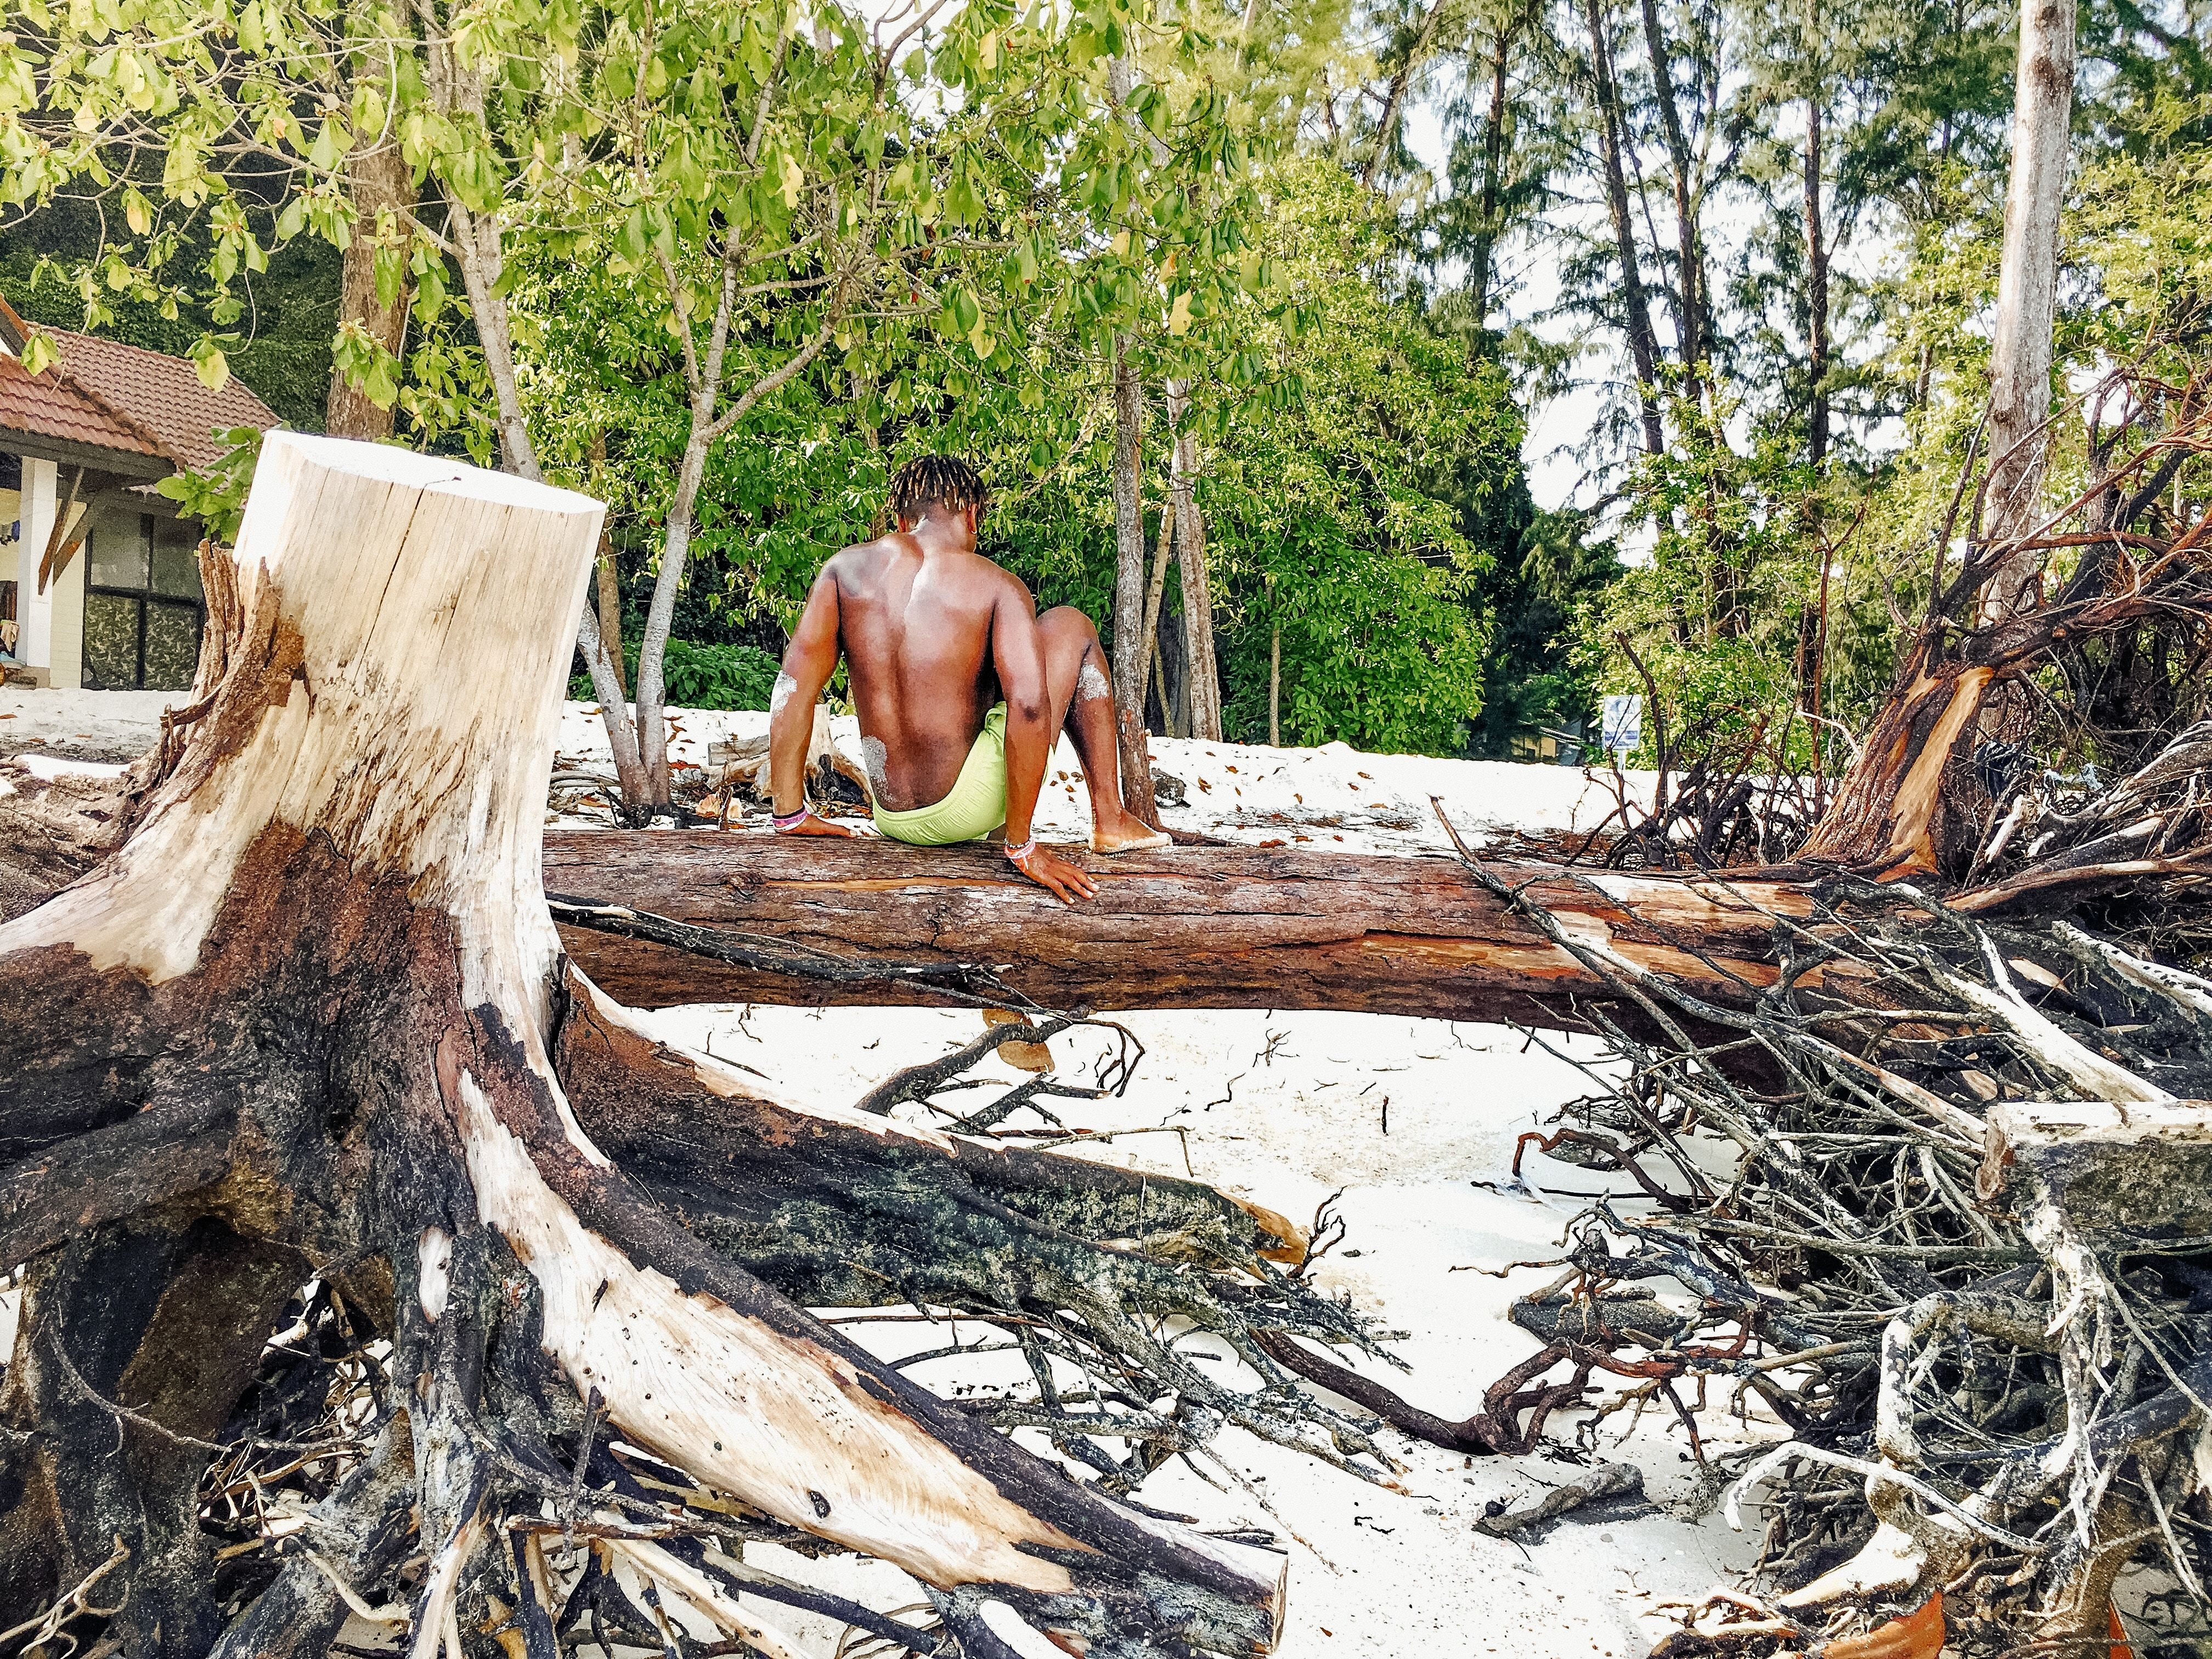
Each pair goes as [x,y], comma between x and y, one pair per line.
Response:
[99,577]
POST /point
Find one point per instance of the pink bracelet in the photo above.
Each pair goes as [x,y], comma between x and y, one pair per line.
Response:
[798,817]
[1016,854]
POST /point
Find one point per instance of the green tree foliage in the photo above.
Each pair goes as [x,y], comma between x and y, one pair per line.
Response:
[704,676]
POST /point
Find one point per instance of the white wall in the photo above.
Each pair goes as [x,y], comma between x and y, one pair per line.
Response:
[65,635]
[34,609]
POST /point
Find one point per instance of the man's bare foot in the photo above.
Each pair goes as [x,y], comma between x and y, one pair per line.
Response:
[1128,833]
[813,824]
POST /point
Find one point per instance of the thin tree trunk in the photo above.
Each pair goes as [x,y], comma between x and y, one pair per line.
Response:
[378,183]
[1482,258]
[609,582]
[482,262]
[1689,248]
[2027,282]
[703,379]
[1275,685]
[1386,127]
[1129,589]
[1643,351]
[475,241]
[1157,591]
[1202,672]
[1816,252]
[661,615]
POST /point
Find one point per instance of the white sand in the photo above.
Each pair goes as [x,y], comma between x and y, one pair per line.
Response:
[92,725]
[1334,798]
[1378,1574]
[1330,798]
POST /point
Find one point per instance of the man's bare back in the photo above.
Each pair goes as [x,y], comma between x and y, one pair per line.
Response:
[961,688]
[914,627]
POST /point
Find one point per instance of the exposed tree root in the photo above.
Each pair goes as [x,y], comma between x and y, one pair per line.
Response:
[1982,1314]
[554,1368]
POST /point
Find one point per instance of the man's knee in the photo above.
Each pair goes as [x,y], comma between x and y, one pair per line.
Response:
[1065,621]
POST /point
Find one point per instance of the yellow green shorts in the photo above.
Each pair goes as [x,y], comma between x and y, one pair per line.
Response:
[978,804]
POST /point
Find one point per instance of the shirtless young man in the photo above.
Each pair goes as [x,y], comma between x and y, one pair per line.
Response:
[961,687]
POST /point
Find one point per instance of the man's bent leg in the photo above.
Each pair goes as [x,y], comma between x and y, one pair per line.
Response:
[1083,704]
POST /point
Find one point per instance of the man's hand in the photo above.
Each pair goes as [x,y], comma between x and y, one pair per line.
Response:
[810,824]
[1055,874]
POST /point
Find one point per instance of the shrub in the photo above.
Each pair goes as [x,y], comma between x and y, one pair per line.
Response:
[700,675]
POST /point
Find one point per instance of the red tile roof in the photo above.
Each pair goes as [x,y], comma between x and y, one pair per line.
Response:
[124,398]
[48,405]
[152,390]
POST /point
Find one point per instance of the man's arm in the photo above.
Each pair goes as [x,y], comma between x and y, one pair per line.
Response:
[1017,655]
[807,666]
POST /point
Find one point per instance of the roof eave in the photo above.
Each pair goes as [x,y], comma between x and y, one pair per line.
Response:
[67,451]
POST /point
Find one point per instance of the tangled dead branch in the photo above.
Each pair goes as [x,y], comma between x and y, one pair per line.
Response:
[1959,1266]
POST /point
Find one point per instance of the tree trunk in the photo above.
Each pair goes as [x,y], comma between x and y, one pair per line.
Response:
[1697,332]
[1816,259]
[1482,257]
[314,1014]
[2027,282]
[1643,351]
[661,615]
[380,183]
[1202,673]
[1129,644]
[1155,594]
[1198,927]
[1394,99]
[1275,685]
[1909,804]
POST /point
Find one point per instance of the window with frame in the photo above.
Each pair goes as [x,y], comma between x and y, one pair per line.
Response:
[143,604]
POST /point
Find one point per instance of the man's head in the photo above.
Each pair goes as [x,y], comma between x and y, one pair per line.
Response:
[936,486]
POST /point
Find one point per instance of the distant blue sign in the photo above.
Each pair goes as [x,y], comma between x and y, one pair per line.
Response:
[1621,723]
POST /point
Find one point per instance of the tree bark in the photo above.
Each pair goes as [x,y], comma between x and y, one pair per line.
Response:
[380,184]
[1697,331]
[1200,928]
[1483,254]
[1816,257]
[1130,665]
[322,974]
[379,181]
[2027,282]
[1643,351]
[1202,671]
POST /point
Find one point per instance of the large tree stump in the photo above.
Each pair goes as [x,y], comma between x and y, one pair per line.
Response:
[313,1017]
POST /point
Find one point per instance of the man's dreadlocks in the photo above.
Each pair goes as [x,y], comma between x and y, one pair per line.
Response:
[935,481]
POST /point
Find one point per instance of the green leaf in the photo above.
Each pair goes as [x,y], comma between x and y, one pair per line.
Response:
[209,363]
[38,352]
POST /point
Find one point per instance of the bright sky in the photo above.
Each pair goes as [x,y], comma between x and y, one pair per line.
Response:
[1561,424]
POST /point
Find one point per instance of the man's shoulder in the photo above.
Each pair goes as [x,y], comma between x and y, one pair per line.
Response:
[989,569]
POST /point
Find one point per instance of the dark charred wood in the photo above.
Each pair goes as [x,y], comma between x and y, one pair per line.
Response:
[107,1432]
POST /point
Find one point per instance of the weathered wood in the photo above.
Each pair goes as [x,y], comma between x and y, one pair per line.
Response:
[318,997]
[1186,926]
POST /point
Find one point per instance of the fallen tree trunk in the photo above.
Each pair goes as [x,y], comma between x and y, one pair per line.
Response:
[1187,927]
[313,1019]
